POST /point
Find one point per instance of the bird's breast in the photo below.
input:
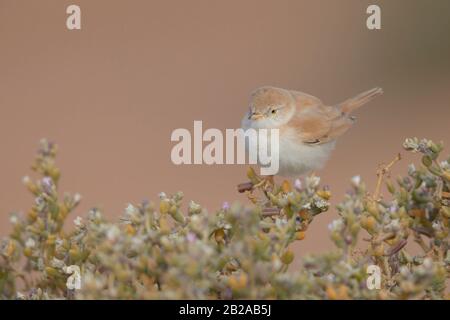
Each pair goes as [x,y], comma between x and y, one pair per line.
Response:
[297,158]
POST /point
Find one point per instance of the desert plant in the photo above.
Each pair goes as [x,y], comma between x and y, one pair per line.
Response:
[157,251]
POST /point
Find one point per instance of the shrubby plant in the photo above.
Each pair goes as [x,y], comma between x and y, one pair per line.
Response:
[157,251]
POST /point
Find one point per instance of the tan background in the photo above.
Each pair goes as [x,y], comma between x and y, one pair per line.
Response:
[111,94]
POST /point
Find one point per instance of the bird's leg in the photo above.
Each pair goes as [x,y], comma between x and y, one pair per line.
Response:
[270,182]
[267,183]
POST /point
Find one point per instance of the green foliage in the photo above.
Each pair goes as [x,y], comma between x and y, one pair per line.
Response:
[157,251]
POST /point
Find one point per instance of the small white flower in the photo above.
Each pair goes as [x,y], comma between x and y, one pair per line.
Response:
[194,207]
[40,264]
[58,264]
[162,195]
[330,277]
[20,296]
[445,165]
[404,271]
[280,222]
[423,185]
[30,243]
[76,198]
[336,225]
[136,241]
[394,207]
[191,237]
[13,219]
[427,263]
[78,221]
[436,225]
[411,144]
[321,204]
[225,206]
[298,185]
[277,264]
[393,226]
[307,206]
[227,226]
[26,180]
[113,233]
[130,209]
[312,181]
[356,180]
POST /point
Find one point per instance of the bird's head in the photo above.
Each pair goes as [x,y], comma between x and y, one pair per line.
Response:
[270,107]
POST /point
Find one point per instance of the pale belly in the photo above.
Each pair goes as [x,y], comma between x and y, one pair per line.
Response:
[297,158]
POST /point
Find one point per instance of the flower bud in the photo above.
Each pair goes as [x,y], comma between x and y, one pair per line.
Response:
[194,208]
[445,211]
[52,272]
[164,206]
[75,253]
[287,257]
[426,160]
[378,251]
[31,186]
[368,223]
[238,282]
[286,186]
[390,187]
[164,225]
[219,235]
[10,249]
[54,173]
[446,175]
[252,175]
[300,235]
[298,185]
[331,293]
[324,194]
[372,208]
[177,215]
[130,230]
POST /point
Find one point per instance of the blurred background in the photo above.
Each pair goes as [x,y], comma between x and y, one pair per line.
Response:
[111,94]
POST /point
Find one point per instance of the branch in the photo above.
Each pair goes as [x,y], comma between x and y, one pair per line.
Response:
[381,172]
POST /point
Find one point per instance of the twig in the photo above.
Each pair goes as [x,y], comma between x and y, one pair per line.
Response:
[246,186]
[418,239]
[399,246]
[268,212]
[423,231]
[381,173]
[380,238]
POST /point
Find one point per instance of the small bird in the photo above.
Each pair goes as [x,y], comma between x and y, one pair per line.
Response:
[308,129]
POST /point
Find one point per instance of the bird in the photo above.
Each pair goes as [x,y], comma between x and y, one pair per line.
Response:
[308,129]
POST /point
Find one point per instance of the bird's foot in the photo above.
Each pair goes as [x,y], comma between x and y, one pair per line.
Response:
[267,183]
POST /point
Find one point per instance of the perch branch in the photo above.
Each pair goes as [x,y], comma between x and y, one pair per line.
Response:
[269,212]
[399,246]
[246,186]
[381,172]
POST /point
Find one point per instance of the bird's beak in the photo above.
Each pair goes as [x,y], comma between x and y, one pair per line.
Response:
[255,116]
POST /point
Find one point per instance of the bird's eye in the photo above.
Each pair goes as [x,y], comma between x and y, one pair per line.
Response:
[274,111]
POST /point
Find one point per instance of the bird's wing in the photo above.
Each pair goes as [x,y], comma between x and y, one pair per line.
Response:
[316,123]
[305,101]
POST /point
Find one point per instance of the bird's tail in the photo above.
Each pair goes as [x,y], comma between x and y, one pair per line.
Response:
[354,103]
